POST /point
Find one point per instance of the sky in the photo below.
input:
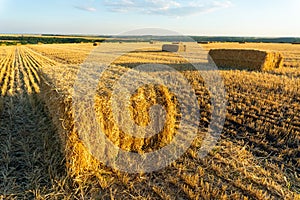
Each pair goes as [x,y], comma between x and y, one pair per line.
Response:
[257,18]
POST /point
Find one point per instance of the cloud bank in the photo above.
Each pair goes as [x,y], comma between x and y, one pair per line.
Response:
[84,8]
[167,7]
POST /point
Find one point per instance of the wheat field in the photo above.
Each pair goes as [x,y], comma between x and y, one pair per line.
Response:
[42,156]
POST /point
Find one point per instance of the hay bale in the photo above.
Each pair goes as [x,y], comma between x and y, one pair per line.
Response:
[174,47]
[203,42]
[95,44]
[246,59]
[79,160]
[59,106]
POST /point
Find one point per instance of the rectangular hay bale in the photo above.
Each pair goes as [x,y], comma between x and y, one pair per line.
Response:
[246,59]
[56,92]
[174,47]
[203,42]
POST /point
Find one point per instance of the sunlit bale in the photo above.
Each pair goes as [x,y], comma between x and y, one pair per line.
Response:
[79,159]
[174,47]
[246,59]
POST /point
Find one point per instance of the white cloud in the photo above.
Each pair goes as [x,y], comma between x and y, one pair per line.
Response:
[167,7]
[84,8]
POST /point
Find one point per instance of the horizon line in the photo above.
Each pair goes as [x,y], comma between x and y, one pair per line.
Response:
[143,35]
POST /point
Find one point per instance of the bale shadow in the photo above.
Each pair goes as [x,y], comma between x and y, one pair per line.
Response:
[30,151]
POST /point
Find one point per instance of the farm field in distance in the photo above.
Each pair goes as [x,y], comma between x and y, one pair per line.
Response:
[42,157]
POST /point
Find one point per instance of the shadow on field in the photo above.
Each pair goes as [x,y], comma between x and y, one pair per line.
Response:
[30,158]
[183,67]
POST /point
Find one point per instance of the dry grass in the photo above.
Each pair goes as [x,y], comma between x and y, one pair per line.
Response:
[256,158]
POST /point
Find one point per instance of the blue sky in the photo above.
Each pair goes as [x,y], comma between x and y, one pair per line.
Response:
[191,17]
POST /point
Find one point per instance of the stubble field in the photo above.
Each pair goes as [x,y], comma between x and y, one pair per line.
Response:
[42,157]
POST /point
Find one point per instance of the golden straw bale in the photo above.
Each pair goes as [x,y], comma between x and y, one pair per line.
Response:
[174,47]
[246,59]
[78,158]
[59,105]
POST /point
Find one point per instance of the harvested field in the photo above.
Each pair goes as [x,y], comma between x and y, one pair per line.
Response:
[64,53]
[246,59]
[30,158]
[19,73]
[257,156]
